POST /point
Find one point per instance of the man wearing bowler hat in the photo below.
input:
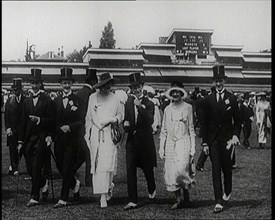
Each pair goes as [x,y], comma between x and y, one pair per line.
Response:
[67,126]
[12,116]
[221,127]
[140,147]
[83,94]
[35,128]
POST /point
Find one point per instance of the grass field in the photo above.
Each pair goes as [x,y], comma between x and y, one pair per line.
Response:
[251,197]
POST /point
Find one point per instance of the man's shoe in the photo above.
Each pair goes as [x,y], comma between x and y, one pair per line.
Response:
[10,171]
[32,202]
[235,166]
[16,173]
[130,206]
[60,204]
[76,190]
[28,178]
[218,208]
[225,198]
[177,205]
[152,197]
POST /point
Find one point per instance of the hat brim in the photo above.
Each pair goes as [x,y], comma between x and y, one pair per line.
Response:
[34,80]
[66,78]
[16,87]
[102,83]
[224,77]
[136,83]
[167,93]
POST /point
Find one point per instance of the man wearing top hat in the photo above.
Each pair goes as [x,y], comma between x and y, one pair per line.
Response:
[221,127]
[67,126]
[140,147]
[83,94]
[12,116]
[35,128]
[247,116]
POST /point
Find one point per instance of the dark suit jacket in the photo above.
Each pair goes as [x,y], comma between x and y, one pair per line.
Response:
[225,120]
[67,117]
[140,135]
[246,112]
[44,110]
[12,116]
[13,112]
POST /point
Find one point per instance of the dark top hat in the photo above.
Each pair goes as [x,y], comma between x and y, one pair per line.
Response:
[197,89]
[218,71]
[135,79]
[246,95]
[17,83]
[66,74]
[91,75]
[104,78]
[35,75]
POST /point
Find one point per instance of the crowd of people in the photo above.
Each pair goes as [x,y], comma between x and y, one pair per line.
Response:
[81,128]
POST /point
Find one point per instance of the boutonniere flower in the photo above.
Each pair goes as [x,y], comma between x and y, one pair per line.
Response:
[71,103]
[227,102]
[73,108]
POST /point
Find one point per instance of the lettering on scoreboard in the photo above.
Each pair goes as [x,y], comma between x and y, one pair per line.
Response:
[194,44]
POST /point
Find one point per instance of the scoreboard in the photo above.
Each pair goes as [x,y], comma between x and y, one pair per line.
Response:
[193,43]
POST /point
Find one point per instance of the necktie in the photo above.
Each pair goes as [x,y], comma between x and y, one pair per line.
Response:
[220,97]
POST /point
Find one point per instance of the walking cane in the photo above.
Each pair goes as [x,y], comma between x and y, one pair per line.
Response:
[17,174]
[51,172]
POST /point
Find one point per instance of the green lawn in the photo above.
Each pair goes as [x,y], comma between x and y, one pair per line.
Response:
[251,197]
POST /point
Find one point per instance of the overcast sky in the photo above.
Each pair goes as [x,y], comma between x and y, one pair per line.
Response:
[50,25]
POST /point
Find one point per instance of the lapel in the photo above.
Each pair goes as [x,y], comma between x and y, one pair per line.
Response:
[39,103]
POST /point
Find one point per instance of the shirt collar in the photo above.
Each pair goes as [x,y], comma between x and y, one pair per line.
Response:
[66,95]
[220,92]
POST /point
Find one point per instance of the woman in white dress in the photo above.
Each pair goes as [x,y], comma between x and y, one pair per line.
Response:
[177,145]
[104,109]
[261,108]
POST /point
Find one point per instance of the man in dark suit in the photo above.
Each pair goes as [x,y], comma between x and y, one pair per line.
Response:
[83,94]
[140,147]
[221,127]
[68,124]
[35,127]
[12,119]
[247,116]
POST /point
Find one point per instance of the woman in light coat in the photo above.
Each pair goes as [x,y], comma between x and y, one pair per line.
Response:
[104,109]
[177,145]
[261,108]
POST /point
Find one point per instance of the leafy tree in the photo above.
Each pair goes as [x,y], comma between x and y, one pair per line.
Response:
[107,40]
[76,56]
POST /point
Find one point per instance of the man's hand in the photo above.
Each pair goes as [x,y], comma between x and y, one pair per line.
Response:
[206,149]
[65,128]
[48,141]
[137,102]
[9,132]
[19,146]
[34,119]
[232,142]
[161,153]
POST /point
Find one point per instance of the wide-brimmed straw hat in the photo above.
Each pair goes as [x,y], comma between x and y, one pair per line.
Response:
[181,90]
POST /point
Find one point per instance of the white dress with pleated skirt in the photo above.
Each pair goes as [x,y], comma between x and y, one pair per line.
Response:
[178,134]
[103,151]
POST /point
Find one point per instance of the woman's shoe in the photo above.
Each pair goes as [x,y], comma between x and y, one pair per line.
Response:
[103,203]
[110,192]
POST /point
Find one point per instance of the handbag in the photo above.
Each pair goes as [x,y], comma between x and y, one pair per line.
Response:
[115,133]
